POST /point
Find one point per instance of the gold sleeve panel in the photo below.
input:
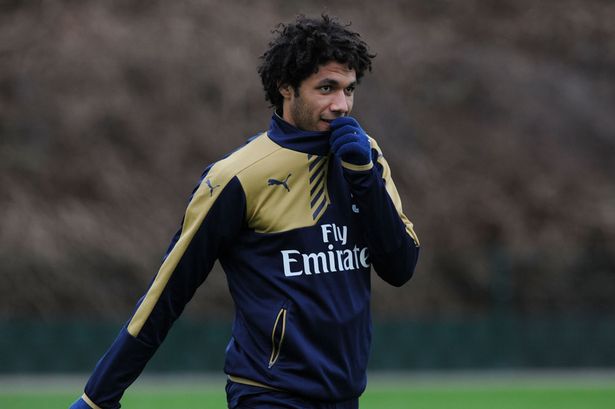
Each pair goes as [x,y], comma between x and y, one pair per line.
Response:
[203,199]
[279,193]
[392,191]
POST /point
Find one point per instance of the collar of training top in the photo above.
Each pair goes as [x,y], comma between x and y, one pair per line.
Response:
[291,137]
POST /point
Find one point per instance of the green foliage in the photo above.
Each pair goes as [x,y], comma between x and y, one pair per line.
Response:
[495,116]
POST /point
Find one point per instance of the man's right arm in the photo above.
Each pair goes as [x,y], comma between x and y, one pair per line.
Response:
[213,219]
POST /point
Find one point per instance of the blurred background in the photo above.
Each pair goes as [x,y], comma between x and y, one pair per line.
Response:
[495,116]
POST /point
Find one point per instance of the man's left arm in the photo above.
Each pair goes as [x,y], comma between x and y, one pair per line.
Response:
[393,244]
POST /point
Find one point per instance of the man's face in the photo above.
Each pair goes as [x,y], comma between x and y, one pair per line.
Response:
[323,96]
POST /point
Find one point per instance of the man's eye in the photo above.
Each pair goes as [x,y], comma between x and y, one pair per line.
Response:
[350,90]
[325,88]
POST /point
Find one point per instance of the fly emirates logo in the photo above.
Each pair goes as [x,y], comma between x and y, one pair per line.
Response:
[331,261]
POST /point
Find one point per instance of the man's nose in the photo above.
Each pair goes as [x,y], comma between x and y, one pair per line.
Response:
[340,103]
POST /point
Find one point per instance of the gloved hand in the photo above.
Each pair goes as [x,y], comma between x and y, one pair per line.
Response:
[349,141]
[80,404]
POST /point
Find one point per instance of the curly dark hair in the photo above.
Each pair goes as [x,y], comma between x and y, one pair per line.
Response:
[301,47]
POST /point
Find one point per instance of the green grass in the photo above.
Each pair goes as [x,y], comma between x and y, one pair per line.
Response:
[490,398]
[433,394]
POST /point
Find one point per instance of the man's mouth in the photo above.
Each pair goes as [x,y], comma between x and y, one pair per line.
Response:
[329,120]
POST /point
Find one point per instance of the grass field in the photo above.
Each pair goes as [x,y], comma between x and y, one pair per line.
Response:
[385,392]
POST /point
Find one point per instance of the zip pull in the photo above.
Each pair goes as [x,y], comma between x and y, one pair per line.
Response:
[277,346]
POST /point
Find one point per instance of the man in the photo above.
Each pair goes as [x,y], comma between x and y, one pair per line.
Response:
[296,217]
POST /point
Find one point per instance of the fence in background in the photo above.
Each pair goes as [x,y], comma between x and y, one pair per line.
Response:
[481,343]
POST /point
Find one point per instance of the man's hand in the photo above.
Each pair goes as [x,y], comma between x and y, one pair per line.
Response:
[80,404]
[349,141]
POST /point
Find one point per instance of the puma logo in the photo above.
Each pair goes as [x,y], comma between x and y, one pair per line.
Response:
[211,188]
[274,182]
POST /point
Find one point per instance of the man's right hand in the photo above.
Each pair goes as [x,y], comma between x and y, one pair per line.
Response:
[80,404]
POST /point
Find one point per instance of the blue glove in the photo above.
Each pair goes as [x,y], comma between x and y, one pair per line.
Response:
[80,404]
[349,141]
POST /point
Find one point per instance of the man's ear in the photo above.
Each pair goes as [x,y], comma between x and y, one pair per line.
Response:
[286,91]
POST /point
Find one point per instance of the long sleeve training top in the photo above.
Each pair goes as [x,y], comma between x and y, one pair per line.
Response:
[296,232]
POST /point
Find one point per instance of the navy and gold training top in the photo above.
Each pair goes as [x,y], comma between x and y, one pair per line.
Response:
[296,231]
